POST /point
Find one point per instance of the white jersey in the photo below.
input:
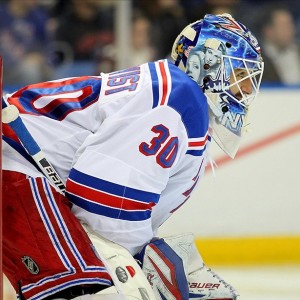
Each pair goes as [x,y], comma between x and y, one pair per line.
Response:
[129,145]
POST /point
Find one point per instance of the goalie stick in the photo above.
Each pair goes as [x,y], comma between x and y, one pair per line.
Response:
[10,116]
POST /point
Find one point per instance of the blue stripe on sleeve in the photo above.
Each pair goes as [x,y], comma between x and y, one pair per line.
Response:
[112,188]
[108,195]
[111,212]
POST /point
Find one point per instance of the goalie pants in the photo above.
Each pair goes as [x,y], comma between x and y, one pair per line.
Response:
[46,252]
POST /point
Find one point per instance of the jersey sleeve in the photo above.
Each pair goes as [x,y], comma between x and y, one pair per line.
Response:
[120,175]
[139,157]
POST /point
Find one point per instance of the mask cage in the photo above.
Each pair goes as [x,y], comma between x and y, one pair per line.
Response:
[241,78]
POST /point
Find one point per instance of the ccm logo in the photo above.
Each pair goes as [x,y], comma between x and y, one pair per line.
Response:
[204,285]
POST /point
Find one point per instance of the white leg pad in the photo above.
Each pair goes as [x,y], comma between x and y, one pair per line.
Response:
[129,279]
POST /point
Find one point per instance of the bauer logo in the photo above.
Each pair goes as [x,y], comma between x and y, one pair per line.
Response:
[204,285]
[30,264]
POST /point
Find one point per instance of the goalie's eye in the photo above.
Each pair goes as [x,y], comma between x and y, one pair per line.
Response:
[240,84]
[240,74]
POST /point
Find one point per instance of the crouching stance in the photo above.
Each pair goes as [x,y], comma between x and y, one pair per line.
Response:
[129,148]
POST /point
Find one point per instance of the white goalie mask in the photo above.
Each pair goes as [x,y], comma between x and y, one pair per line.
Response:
[224,58]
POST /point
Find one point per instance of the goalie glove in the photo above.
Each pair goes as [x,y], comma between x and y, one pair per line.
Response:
[164,271]
[175,270]
[204,284]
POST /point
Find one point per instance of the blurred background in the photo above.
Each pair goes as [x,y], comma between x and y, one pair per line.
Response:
[50,39]
[246,212]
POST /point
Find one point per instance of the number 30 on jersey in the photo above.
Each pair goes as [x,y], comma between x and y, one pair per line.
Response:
[162,146]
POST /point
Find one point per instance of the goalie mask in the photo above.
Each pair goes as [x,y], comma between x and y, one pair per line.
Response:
[223,57]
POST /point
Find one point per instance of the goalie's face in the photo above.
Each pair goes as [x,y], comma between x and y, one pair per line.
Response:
[241,78]
[240,84]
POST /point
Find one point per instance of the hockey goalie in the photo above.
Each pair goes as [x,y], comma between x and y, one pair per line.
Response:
[94,165]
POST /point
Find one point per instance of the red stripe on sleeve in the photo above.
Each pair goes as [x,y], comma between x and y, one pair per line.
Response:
[199,143]
[164,82]
[106,199]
